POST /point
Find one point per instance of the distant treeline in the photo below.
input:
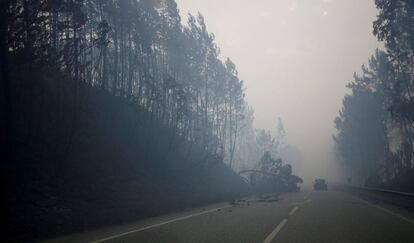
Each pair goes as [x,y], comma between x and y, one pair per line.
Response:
[113,110]
[376,124]
[135,49]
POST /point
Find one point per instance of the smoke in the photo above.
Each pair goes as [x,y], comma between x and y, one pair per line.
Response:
[296,58]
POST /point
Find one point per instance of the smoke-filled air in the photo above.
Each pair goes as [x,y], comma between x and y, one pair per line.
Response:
[207,121]
[296,58]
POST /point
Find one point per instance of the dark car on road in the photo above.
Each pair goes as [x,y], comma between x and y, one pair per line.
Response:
[320,185]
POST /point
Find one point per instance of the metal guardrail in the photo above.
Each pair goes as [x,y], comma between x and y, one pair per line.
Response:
[373,189]
[396,198]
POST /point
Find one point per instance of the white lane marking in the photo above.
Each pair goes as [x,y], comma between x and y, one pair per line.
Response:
[300,203]
[157,225]
[388,211]
[307,195]
[272,235]
[395,214]
[293,210]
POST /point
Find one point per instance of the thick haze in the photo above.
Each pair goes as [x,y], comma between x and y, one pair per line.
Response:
[296,58]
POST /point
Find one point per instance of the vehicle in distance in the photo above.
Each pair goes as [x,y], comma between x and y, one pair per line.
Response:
[320,185]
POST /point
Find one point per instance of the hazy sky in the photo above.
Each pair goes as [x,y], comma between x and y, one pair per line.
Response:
[295,57]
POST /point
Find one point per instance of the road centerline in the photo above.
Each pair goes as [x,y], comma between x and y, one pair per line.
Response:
[300,203]
[157,225]
[274,233]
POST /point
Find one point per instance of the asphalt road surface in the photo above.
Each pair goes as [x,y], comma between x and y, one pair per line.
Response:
[306,216]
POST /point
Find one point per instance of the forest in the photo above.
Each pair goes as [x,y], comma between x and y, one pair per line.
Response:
[115,110]
[138,51]
[376,124]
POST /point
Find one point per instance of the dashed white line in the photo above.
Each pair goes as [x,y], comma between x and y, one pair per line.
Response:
[272,235]
[157,225]
[300,203]
[293,210]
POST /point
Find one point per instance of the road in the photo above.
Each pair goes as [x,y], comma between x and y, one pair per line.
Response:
[306,216]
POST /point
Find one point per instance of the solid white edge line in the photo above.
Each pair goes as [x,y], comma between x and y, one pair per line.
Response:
[395,214]
[388,211]
[278,228]
[157,225]
[293,210]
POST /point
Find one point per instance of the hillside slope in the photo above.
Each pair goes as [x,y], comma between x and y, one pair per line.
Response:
[84,158]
